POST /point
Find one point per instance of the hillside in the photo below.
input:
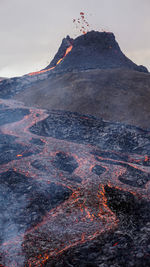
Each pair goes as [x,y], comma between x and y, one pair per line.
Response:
[114,94]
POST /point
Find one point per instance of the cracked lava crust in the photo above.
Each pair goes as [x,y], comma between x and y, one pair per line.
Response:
[59,175]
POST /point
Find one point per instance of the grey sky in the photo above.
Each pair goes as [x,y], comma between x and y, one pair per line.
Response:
[32,30]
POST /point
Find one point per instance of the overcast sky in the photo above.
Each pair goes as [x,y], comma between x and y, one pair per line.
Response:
[32,30]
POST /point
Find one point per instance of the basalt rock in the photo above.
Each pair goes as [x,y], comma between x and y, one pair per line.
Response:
[66,42]
[94,50]
[77,195]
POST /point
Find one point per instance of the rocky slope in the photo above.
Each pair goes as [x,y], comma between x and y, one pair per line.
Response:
[94,50]
[118,95]
[74,190]
[95,78]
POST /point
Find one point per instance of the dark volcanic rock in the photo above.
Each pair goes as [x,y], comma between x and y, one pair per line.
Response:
[24,201]
[12,86]
[66,42]
[7,87]
[62,161]
[52,176]
[134,177]
[12,115]
[6,139]
[125,203]
[105,135]
[128,246]
[65,163]
[98,170]
[40,166]
[36,141]
[9,151]
[96,50]
[110,155]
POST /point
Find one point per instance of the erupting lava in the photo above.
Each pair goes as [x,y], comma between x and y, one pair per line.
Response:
[58,62]
[83,27]
[70,165]
[81,24]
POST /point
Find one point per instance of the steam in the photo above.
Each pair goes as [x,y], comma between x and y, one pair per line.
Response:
[11,247]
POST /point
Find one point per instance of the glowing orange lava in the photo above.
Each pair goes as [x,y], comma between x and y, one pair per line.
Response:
[58,62]
[81,23]
[86,213]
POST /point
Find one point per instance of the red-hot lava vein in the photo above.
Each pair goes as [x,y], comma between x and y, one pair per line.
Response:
[68,50]
[78,157]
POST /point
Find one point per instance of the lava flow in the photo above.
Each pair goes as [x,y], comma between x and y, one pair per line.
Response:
[58,62]
[56,183]
[83,26]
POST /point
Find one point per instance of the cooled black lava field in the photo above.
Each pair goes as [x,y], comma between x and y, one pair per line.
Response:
[74,190]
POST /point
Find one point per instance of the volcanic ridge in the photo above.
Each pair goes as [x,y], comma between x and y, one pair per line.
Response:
[94,50]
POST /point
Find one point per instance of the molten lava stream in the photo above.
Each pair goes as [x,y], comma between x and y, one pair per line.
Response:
[85,214]
[20,128]
[83,217]
[58,62]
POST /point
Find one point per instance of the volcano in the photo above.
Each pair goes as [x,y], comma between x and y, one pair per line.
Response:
[75,160]
[90,75]
[94,50]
